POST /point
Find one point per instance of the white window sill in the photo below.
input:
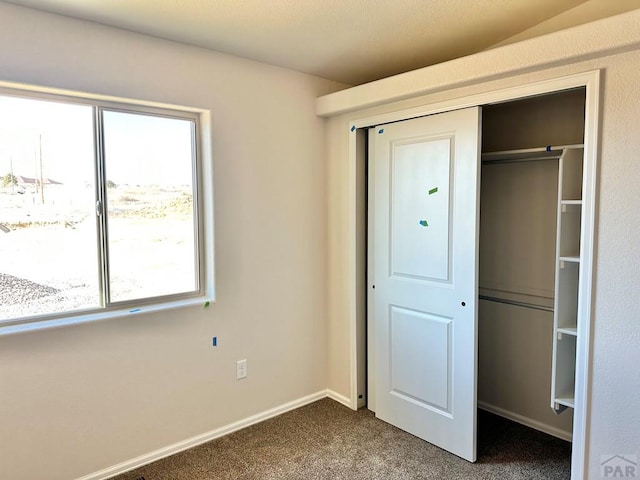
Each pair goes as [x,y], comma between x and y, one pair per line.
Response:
[45,324]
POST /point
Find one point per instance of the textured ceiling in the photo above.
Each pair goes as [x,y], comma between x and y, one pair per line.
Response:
[353,42]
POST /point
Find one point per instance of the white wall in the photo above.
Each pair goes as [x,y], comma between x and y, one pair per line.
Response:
[78,399]
[614,417]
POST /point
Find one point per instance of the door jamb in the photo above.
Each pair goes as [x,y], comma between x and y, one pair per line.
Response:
[591,82]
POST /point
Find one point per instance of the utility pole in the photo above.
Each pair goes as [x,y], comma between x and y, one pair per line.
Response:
[35,171]
[41,174]
[13,178]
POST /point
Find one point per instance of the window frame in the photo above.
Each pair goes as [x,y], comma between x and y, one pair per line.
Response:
[202,182]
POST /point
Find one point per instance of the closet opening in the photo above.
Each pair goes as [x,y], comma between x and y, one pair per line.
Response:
[530,205]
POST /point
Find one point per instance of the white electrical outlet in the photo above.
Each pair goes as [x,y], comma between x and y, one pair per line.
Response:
[241,369]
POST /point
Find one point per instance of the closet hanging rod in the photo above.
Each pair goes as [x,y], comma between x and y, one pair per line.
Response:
[547,148]
[517,304]
[528,158]
[527,154]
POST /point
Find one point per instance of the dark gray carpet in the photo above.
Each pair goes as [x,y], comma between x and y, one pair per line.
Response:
[326,440]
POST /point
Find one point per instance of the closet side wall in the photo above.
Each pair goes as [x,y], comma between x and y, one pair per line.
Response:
[517,253]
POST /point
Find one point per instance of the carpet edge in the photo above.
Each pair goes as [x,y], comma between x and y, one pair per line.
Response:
[526,421]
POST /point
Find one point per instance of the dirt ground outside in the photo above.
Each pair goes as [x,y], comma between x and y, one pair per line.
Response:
[49,252]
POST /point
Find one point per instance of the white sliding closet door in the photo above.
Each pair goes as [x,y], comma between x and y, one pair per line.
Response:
[424,198]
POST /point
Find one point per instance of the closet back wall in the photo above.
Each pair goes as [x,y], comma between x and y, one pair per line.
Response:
[553,119]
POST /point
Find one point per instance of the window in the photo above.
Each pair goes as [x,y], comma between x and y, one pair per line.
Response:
[99,208]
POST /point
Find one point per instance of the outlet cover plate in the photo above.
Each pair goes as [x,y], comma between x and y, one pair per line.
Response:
[241,369]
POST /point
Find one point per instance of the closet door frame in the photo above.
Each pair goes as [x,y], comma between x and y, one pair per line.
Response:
[358,286]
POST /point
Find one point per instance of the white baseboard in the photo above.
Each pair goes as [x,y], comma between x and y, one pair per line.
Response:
[346,401]
[526,421]
[205,437]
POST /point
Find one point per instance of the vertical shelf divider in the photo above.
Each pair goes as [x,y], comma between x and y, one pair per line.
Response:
[568,258]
